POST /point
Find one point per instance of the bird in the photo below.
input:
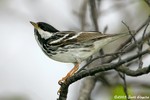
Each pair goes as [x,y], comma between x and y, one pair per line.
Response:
[70,46]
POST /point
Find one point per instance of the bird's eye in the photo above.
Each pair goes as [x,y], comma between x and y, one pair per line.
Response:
[42,27]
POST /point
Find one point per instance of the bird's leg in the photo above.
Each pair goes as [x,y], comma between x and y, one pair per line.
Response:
[73,70]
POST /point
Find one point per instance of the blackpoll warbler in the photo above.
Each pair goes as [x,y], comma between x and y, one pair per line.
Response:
[70,46]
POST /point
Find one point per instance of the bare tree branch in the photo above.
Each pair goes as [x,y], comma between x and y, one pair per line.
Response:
[129,40]
[94,14]
[94,59]
[125,87]
[137,72]
[123,77]
[97,69]
[139,46]
[83,14]
[102,68]
[87,87]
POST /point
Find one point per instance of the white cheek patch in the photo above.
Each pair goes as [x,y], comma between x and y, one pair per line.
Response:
[44,34]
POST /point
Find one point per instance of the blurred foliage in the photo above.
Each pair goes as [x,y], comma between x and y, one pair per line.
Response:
[118,93]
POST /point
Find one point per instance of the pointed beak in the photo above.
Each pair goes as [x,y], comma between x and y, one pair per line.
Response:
[34,24]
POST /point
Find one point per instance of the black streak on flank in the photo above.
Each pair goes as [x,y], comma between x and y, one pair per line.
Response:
[47,27]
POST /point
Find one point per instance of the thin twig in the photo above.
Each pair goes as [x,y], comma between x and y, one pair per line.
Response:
[139,46]
[132,35]
[102,56]
[129,40]
[141,41]
[82,14]
[105,29]
[140,28]
[125,88]
[94,14]
[122,75]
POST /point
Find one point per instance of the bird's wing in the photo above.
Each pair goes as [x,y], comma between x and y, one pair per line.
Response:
[67,37]
[71,37]
[62,38]
[88,36]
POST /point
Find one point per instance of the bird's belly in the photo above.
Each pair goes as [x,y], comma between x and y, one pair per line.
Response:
[73,55]
[64,57]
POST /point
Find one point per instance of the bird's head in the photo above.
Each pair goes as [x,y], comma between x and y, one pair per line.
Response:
[44,30]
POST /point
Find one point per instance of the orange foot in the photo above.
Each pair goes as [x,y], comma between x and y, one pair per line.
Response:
[63,80]
[75,68]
